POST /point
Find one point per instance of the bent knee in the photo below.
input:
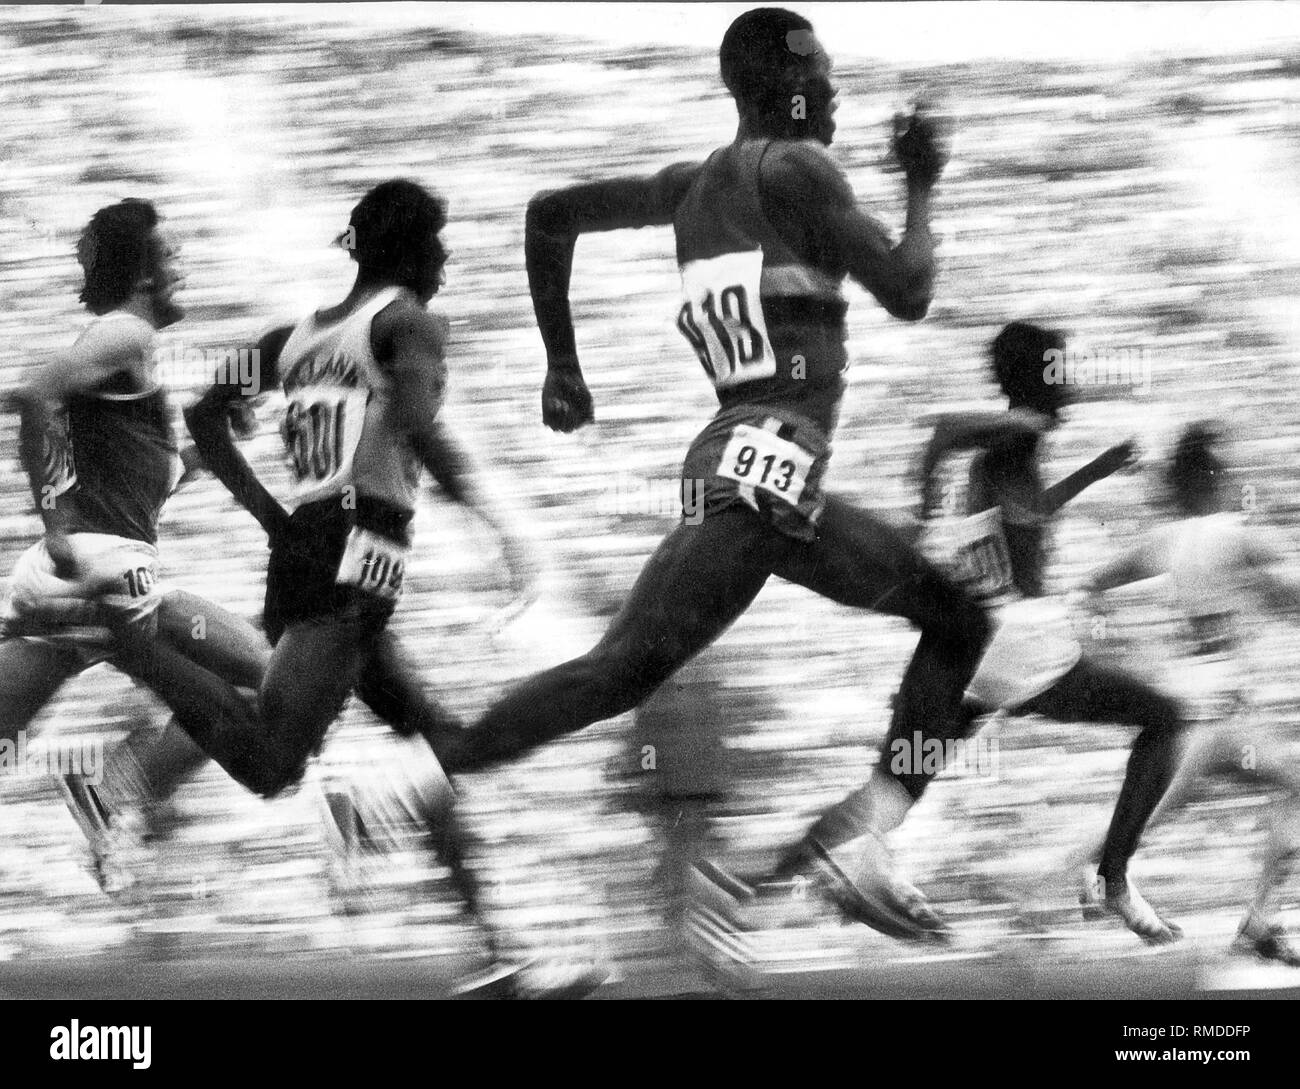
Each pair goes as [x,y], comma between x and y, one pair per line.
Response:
[275,773]
[1164,715]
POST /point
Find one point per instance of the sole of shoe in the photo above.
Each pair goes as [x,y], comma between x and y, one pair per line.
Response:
[872,907]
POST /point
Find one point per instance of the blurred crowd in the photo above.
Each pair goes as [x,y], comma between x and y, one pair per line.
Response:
[1145,205]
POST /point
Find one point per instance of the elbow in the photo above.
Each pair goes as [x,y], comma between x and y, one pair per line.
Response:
[204,424]
[909,305]
[911,311]
[547,214]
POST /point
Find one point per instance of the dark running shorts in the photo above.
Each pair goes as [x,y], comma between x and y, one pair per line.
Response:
[335,563]
[768,459]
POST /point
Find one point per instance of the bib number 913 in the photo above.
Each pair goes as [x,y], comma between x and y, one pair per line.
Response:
[760,459]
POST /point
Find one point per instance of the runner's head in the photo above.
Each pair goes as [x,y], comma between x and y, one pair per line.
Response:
[1020,359]
[126,253]
[1196,473]
[394,237]
[779,75]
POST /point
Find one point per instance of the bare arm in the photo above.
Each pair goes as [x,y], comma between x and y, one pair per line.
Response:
[1145,560]
[411,343]
[809,199]
[209,421]
[955,432]
[1099,468]
[551,229]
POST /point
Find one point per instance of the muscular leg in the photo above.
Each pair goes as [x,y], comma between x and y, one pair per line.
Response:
[313,669]
[697,583]
[211,710]
[390,686]
[215,638]
[861,561]
[1093,693]
[1254,755]
[154,763]
[30,673]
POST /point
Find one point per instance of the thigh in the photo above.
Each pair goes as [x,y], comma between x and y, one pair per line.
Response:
[30,673]
[210,709]
[214,637]
[860,560]
[312,670]
[700,579]
[1094,693]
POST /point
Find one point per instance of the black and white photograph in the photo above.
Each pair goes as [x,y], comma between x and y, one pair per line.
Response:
[634,501]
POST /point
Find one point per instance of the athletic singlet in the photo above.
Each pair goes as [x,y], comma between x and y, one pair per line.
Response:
[767,326]
[1021,532]
[338,429]
[1206,585]
[112,458]
[997,552]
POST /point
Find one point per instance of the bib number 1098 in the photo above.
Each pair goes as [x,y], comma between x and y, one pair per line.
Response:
[722,318]
[374,564]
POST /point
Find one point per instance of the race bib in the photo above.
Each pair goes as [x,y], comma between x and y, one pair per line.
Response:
[321,429]
[374,564]
[760,459]
[981,558]
[722,318]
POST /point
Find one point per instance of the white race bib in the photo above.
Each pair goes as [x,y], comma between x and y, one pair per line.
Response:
[760,459]
[321,429]
[980,554]
[722,318]
[373,563]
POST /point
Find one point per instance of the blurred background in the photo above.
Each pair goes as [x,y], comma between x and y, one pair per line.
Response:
[1127,172]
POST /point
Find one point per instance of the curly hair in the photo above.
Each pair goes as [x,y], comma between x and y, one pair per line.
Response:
[1019,355]
[395,228]
[114,252]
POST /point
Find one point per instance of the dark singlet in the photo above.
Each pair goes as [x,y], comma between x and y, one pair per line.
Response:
[768,329]
[118,466]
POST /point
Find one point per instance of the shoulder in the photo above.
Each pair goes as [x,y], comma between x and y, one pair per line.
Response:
[272,339]
[116,336]
[672,182]
[407,326]
[802,168]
